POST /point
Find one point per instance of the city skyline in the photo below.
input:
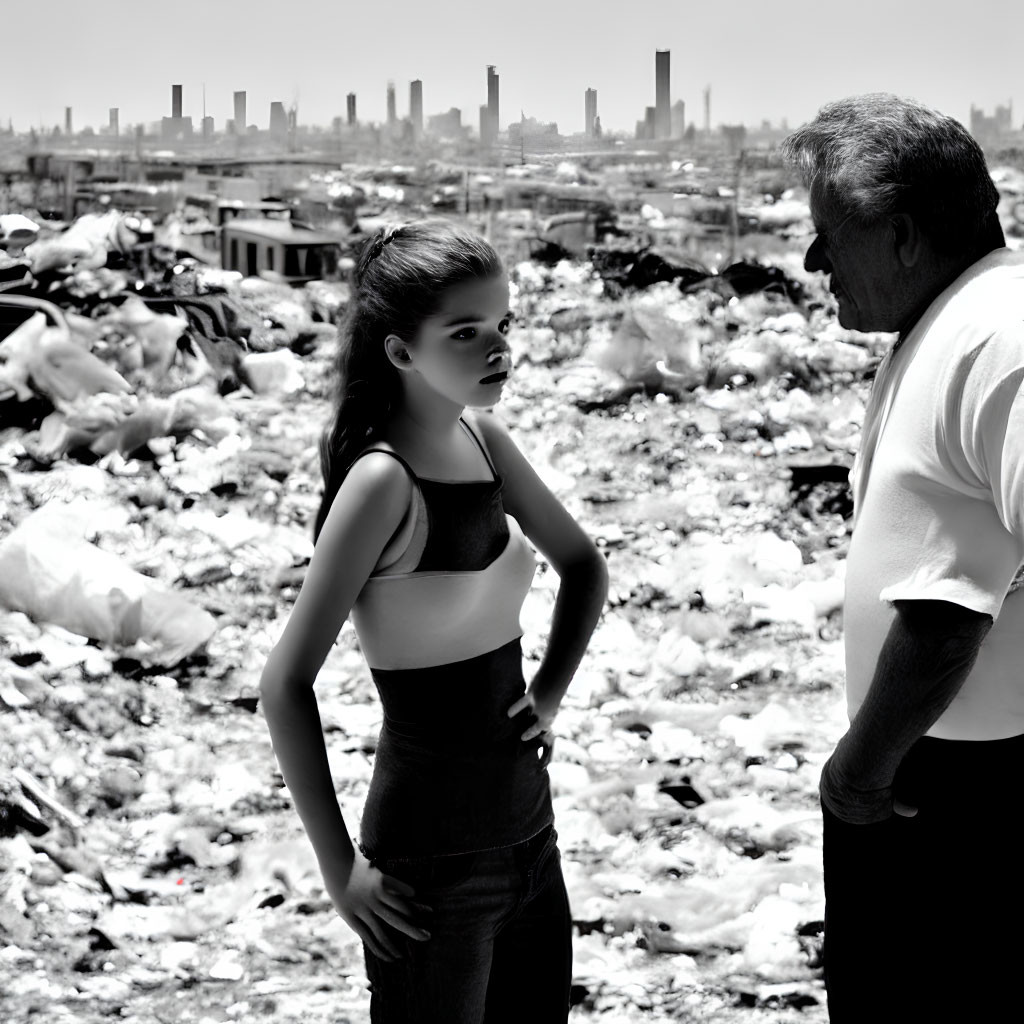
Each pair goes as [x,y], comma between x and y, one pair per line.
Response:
[310,55]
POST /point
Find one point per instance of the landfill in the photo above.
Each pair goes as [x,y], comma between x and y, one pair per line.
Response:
[159,421]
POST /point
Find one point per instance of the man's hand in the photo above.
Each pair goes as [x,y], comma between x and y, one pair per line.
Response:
[855,804]
[928,653]
[847,800]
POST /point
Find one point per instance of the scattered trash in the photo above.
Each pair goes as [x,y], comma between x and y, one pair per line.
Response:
[54,576]
[272,372]
[700,424]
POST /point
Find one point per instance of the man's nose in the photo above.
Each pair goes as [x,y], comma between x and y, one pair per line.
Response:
[816,260]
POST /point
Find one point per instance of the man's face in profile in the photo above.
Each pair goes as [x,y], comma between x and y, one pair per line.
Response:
[861,259]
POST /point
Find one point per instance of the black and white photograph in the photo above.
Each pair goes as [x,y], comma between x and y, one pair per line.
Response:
[511,514]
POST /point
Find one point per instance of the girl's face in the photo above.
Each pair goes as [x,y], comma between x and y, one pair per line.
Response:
[462,352]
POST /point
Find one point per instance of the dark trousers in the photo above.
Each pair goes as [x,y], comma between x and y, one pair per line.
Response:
[501,940]
[923,915]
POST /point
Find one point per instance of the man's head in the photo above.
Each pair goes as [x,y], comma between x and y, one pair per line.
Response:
[902,202]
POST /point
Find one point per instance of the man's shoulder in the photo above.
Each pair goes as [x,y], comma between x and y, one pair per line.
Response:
[986,304]
[992,290]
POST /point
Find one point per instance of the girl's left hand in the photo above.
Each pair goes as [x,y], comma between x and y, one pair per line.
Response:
[543,714]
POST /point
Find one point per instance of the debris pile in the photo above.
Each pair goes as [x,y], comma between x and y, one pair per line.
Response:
[158,455]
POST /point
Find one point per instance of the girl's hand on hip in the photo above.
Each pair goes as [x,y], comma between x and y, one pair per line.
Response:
[542,712]
[372,903]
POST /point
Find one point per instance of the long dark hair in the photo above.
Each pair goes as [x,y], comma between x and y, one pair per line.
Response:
[399,278]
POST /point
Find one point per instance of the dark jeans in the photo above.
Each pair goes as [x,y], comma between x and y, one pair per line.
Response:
[501,945]
[923,915]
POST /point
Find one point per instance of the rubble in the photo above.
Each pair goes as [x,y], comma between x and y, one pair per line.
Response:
[16,232]
[275,373]
[688,747]
[37,358]
[53,575]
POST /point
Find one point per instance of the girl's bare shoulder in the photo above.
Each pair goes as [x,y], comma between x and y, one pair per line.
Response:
[377,468]
[378,483]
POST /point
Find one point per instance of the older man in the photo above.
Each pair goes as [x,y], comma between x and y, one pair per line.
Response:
[922,797]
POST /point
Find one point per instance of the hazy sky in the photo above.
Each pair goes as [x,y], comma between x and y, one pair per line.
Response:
[763,60]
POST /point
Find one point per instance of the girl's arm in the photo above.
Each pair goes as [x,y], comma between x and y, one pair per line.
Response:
[581,568]
[364,516]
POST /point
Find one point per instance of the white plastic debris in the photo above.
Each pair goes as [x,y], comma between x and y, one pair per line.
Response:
[273,373]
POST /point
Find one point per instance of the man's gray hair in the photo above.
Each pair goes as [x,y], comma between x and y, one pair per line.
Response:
[878,155]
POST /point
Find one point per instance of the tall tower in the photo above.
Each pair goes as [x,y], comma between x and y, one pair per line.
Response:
[350,107]
[278,121]
[662,101]
[240,122]
[590,112]
[392,115]
[67,121]
[416,108]
[707,109]
[114,121]
[492,102]
[175,101]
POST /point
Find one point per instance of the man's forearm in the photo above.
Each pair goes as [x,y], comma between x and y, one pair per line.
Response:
[928,654]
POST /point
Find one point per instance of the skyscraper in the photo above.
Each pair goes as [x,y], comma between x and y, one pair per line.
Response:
[67,121]
[392,115]
[176,127]
[416,107]
[350,106]
[590,112]
[492,103]
[662,102]
[278,121]
[707,110]
[240,122]
[115,127]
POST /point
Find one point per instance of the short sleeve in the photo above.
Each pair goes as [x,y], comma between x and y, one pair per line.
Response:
[992,426]
[970,506]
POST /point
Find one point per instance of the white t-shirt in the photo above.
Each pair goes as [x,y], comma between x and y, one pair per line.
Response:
[939,492]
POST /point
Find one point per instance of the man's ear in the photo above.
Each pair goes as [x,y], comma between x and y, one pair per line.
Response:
[397,352]
[907,239]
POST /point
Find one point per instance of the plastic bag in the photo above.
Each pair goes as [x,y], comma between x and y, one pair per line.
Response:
[54,576]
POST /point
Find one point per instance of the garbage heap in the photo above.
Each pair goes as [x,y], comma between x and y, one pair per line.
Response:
[158,429]
[124,355]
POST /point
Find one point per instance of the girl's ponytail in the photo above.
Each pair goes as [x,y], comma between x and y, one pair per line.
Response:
[367,390]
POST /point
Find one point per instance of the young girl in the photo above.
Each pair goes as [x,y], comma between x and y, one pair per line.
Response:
[455,888]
